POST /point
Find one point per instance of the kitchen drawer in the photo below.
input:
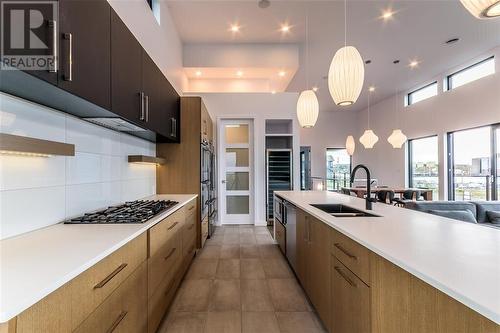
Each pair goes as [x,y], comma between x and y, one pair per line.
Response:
[90,288]
[190,207]
[161,298]
[124,310]
[164,230]
[204,231]
[353,255]
[190,225]
[163,261]
[280,234]
[350,299]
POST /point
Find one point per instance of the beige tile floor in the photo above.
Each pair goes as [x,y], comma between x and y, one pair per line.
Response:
[240,282]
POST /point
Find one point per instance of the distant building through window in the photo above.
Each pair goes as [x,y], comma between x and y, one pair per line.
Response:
[423,167]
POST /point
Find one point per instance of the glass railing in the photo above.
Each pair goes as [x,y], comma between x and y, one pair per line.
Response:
[470,188]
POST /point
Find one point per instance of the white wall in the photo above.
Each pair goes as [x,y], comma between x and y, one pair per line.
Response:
[161,41]
[259,107]
[36,192]
[471,105]
[330,131]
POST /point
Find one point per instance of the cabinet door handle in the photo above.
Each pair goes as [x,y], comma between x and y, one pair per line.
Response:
[170,254]
[110,276]
[347,253]
[339,270]
[53,25]
[173,127]
[117,321]
[69,76]
[147,108]
[172,226]
[191,208]
[141,96]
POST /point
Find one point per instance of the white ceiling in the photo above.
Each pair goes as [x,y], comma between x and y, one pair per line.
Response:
[418,30]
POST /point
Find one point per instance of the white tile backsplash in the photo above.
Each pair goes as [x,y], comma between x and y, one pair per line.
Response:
[38,192]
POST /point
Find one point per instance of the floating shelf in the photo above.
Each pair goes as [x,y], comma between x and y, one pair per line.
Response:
[145,159]
[21,145]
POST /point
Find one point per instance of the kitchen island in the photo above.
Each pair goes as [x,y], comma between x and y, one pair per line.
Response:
[421,272]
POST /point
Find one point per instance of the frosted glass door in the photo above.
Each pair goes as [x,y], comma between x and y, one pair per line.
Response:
[236,172]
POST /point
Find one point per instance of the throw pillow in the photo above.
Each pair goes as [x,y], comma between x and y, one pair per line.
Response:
[493,216]
[462,215]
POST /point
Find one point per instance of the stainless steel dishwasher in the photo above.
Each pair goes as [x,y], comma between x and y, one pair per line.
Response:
[291,234]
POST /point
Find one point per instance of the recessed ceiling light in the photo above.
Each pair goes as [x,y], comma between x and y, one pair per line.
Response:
[368,62]
[234,28]
[315,88]
[371,89]
[396,61]
[387,14]
[285,28]
[413,63]
[198,73]
[282,73]
[273,92]
[239,73]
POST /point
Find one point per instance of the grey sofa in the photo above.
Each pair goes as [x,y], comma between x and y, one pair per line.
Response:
[468,211]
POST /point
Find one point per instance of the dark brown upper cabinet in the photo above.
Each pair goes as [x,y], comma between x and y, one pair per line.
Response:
[85,50]
[126,72]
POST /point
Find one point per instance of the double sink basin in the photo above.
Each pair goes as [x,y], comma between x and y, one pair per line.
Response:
[339,210]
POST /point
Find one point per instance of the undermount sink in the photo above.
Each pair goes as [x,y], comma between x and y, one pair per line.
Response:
[339,210]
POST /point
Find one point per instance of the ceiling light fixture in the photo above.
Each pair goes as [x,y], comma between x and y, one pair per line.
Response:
[413,64]
[482,9]
[234,28]
[285,28]
[198,73]
[282,73]
[239,73]
[347,72]
[273,92]
[371,89]
[307,104]
[369,138]
[11,144]
[350,145]
[397,138]
[387,14]
[315,89]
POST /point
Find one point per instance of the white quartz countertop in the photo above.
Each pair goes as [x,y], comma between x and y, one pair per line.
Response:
[37,263]
[460,259]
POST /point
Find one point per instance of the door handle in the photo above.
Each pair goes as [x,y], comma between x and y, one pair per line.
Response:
[69,75]
[141,96]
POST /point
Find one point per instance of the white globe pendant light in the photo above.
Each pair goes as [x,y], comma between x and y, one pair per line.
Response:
[346,76]
[350,145]
[307,109]
[368,139]
[347,72]
[307,104]
[482,9]
[397,139]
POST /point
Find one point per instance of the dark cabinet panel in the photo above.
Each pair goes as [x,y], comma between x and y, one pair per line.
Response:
[171,107]
[126,72]
[151,79]
[85,50]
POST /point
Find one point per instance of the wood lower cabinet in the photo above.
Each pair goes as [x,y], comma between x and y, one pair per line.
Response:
[354,290]
[280,235]
[350,301]
[128,291]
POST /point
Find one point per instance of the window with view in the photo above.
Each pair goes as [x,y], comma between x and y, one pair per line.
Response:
[155,7]
[420,94]
[424,164]
[471,73]
[472,176]
[338,168]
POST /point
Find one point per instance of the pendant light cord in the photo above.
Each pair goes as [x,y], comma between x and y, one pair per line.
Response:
[369,93]
[345,22]
[307,47]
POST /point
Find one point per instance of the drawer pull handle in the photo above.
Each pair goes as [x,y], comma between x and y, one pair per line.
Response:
[172,226]
[191,208]
[345,277]
[170,254]
[117,321]
[341,248]
[110,276]
[191,226]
